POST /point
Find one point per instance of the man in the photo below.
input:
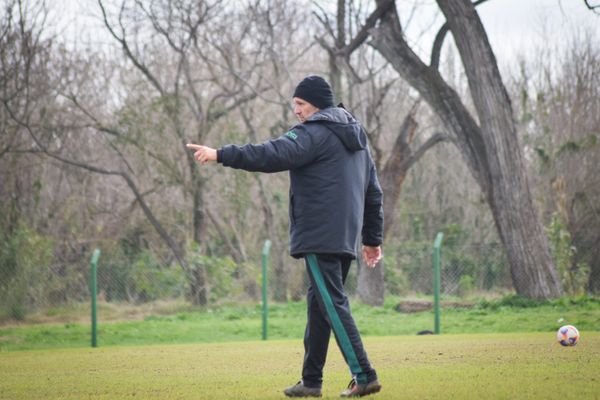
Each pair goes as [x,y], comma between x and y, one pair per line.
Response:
[334,198]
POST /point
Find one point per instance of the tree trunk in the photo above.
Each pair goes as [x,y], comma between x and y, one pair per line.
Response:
[392,176]
[278,251]
[280,286]
[394,172]
[531,264]
[198,280]
[491,150]
[370,286]
[371,282]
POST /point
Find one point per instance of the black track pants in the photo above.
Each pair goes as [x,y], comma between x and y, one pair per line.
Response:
[328,309]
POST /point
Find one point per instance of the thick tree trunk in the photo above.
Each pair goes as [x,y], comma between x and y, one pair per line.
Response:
[531,265]
[491,150]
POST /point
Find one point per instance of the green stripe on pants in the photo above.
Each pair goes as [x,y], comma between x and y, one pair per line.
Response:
[336,322]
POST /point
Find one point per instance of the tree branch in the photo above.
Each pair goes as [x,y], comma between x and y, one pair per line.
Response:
[97,124]
[591,7]
[99,170]
[236,252]
[439,41]
[363,34]
[128,52]
[437,46]
[390,42]
[436,138]
[340,60]
[215,115]
[324,21]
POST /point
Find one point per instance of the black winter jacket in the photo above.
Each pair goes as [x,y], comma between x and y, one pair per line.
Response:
[334,193]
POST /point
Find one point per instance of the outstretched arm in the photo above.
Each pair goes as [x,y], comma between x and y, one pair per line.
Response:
[291,150]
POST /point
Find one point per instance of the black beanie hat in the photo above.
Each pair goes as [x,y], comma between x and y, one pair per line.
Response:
[316,91]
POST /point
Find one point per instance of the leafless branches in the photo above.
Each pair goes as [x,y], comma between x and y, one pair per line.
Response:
[591,6]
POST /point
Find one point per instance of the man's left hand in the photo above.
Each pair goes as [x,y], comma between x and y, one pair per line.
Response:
[371,255]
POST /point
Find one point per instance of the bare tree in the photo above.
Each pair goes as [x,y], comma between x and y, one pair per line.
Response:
[187,88]
[219,61]
[206,84]
[393,168]
[275,25]
[559,111]
[490,148]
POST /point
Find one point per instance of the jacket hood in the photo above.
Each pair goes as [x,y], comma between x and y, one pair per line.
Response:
[343,125]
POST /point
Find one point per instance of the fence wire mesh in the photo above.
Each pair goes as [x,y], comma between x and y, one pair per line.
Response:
[468,272]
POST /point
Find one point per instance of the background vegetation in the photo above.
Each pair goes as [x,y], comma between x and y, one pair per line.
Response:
[91,156]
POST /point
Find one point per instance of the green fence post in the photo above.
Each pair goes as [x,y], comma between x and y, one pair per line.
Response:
[436,280]
[265,311]
[94,290]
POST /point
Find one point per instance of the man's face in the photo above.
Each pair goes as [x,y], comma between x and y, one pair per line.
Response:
[303,109]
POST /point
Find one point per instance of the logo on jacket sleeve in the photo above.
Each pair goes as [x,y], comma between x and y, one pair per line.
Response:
[292,135]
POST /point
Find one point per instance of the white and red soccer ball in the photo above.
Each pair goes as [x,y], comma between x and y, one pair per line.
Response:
[567,335]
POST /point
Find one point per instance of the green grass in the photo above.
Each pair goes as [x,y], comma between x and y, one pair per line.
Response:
[286,321]
[497,366]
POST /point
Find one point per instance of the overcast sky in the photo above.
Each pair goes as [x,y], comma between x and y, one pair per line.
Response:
[514,27]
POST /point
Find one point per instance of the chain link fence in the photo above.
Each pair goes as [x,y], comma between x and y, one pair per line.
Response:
[469,273]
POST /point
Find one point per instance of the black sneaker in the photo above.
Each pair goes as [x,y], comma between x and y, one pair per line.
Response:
[360,390]
[299,390]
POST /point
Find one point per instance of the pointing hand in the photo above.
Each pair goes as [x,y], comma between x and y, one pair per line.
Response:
[203,154]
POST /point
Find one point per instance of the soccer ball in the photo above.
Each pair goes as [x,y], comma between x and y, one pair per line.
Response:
[567,335]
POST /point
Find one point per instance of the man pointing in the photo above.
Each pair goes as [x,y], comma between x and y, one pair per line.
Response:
[335,204]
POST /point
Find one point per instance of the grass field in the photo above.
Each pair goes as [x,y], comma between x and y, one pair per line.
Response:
[286,321]
[496,366]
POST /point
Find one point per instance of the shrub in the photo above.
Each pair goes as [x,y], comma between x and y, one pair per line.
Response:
[466,285]
[25,257]
[574,276]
